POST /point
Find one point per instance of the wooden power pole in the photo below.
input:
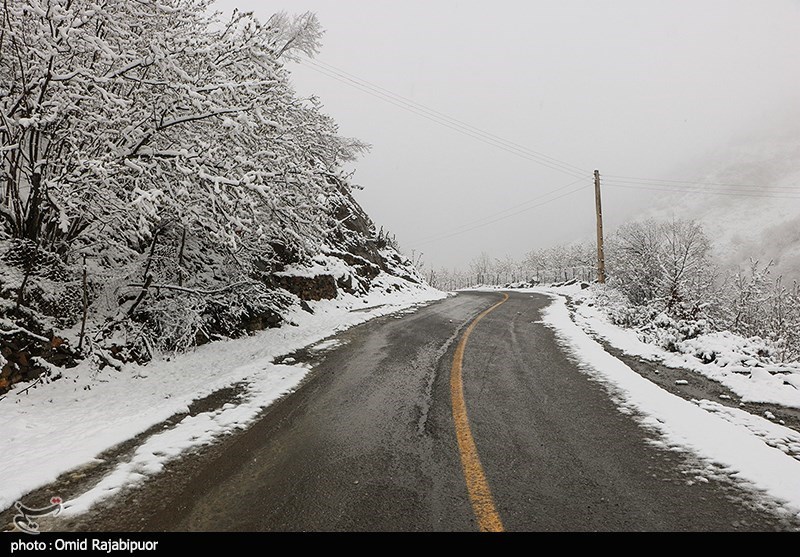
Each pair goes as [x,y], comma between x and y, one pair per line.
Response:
[601,260]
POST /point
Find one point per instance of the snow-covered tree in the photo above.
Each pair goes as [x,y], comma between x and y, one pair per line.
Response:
[481,267]
[667,263]
[632,259]
[165,143]
[122,116]
[687,273]
[534,263]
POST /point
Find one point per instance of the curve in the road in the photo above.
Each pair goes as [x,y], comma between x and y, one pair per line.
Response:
[478,487]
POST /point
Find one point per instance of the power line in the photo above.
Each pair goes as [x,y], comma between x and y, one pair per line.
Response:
[497,213]
[467,227]
[657,181]
[422,107]
[465,129]
[462,129]
[450,235]
[452,126]
[437,116]
[700,191]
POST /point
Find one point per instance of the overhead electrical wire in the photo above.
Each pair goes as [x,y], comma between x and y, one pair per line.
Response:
[515,208]
[450,235]
[631,179]
[461,130]
[449,122]
[710,188]
[740,193]
[610,180]
[470,225]
[437,113]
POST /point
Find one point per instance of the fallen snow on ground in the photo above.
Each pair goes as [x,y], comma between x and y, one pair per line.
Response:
[750,448]
[776,384]
[63,425]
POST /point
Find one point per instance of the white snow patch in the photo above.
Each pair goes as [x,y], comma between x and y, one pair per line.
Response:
[63,425]
[775,384]
[715,433]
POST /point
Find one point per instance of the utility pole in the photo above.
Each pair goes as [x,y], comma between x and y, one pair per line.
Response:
[601,260]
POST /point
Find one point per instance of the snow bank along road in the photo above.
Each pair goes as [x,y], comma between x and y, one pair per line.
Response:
[407,425]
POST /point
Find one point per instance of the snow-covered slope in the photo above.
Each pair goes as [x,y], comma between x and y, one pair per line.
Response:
[761,222]
[65,424]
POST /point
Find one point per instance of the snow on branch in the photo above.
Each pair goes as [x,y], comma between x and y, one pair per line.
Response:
[169,148]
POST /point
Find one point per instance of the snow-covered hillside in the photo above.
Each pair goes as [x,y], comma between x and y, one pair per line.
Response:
[165,186]
[66,424]
[744,222]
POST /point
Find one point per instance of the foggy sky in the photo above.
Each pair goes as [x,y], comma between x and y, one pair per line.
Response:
[634,88]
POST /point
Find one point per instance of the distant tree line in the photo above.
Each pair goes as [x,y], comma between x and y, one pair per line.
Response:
[660,267]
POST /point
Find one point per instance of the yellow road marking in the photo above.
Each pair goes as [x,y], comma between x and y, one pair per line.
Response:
[477,486]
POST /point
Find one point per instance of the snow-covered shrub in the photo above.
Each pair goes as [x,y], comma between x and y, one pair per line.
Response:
[663,284]
[725,348]
[39,280]
[749,294]
[652,324]
[756,305]
[671,292]
[164,148]
[617,306]
[172,321]
[662,280]
[670,333]
[665,265]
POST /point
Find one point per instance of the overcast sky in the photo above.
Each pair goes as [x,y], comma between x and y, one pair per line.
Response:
[630,87]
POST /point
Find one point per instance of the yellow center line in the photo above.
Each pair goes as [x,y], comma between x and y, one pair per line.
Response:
[477,486]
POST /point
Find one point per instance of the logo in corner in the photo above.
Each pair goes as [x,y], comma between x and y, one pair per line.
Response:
[23,520]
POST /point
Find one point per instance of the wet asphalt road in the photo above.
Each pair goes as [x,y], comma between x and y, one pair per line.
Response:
[368,443]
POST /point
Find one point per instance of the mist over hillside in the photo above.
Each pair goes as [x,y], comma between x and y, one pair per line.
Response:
[755,211]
